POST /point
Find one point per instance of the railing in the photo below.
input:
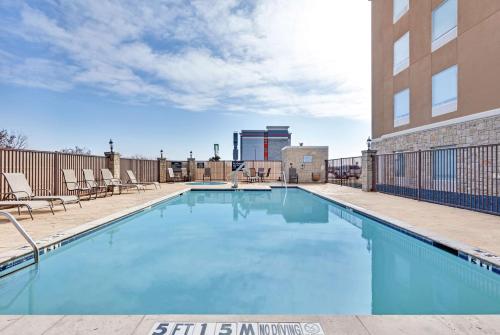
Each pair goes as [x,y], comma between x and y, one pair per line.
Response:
[466,177]
[344,171]
[23,232]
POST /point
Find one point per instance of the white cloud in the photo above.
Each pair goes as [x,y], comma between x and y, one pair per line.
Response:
[266,56]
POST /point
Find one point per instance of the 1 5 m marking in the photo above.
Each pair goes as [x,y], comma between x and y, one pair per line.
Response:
[237,328]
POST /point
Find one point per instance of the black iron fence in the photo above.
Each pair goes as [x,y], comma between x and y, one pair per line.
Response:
[466,177]
[344,171]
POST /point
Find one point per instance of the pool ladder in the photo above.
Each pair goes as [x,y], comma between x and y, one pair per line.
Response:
[23,232]
[283,178]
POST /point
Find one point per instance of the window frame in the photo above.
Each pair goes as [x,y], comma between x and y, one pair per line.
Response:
[401,121]
[405,63]
[449,35]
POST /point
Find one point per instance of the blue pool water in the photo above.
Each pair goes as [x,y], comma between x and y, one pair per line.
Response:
[250,252]
[206,183]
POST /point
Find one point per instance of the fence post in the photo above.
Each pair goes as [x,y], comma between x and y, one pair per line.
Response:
[419,174]
[162,170]
[368,170]
[55,185]
[192,168]
[113,163]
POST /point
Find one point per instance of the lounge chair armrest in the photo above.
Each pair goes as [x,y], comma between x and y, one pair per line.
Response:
[46,190]
[7,195]
[20,195]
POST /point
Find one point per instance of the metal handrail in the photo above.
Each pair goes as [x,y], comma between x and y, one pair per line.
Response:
[284,179]
[23,232]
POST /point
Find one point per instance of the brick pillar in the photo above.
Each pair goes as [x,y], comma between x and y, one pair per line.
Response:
[113,163]
[192,169]
[368,170]
[162,170]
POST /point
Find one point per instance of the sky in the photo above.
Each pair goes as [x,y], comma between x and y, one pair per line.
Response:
[182,75]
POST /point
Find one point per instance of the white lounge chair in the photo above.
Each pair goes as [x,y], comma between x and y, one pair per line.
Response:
[88,175]
[73,185]
[171,175]
[133,180]
[29,205]
[112,182]
[21,190]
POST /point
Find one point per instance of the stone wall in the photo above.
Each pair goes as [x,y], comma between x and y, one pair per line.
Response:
[295,156]
[467,133]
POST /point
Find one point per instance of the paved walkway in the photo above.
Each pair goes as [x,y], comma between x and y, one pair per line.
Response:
[472,228]
[143,324]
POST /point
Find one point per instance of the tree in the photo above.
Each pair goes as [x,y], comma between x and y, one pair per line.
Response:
[216,158]
[76,151]
[12,140]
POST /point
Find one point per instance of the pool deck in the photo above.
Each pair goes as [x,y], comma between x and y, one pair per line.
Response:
[143,324]
[470,230]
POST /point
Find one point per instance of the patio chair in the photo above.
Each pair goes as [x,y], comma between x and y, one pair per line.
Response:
[29,205]
[184,174]
[292,175]
[261,173]
[21,190]
[252,177]
[88,175]
[111,182]
[133,180]
[268,173]
[207,174]
[171,176]
[73,185]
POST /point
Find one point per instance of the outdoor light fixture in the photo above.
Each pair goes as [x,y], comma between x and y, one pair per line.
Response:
[369,143]
[191,154]
[111,145]
[161,153]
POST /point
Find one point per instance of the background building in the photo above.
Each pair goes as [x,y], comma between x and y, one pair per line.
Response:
[435,74]
[264,145]
[235,146]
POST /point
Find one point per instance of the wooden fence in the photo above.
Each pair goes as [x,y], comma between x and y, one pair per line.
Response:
[43,169]
[222,170]
[144,169]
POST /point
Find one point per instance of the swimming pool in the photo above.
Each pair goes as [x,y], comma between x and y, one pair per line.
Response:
[206,183]
[250,252]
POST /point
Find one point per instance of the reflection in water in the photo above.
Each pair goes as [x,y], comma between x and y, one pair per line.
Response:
[250,253]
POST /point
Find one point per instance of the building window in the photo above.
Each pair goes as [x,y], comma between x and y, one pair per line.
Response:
[401,53]
[402,108]
[444,24]
[444,91]
[400,7]
[444,163]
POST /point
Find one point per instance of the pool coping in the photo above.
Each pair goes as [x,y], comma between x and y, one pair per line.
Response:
[17,259]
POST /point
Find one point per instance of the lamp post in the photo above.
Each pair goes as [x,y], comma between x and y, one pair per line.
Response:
[111,145]
[369,143]
[191,154]
[161,153]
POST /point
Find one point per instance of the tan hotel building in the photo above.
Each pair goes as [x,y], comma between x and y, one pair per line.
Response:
[435,74]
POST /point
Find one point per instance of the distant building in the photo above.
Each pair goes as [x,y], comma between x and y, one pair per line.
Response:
[235,146]
[264,145]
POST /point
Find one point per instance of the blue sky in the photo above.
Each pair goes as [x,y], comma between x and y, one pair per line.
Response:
[182,75]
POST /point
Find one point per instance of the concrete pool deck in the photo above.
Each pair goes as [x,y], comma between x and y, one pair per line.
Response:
[457,225]
[356,325]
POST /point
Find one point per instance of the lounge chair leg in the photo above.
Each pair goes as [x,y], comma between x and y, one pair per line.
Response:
[52,210]
[79,203]
[31,214]
[64,206]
